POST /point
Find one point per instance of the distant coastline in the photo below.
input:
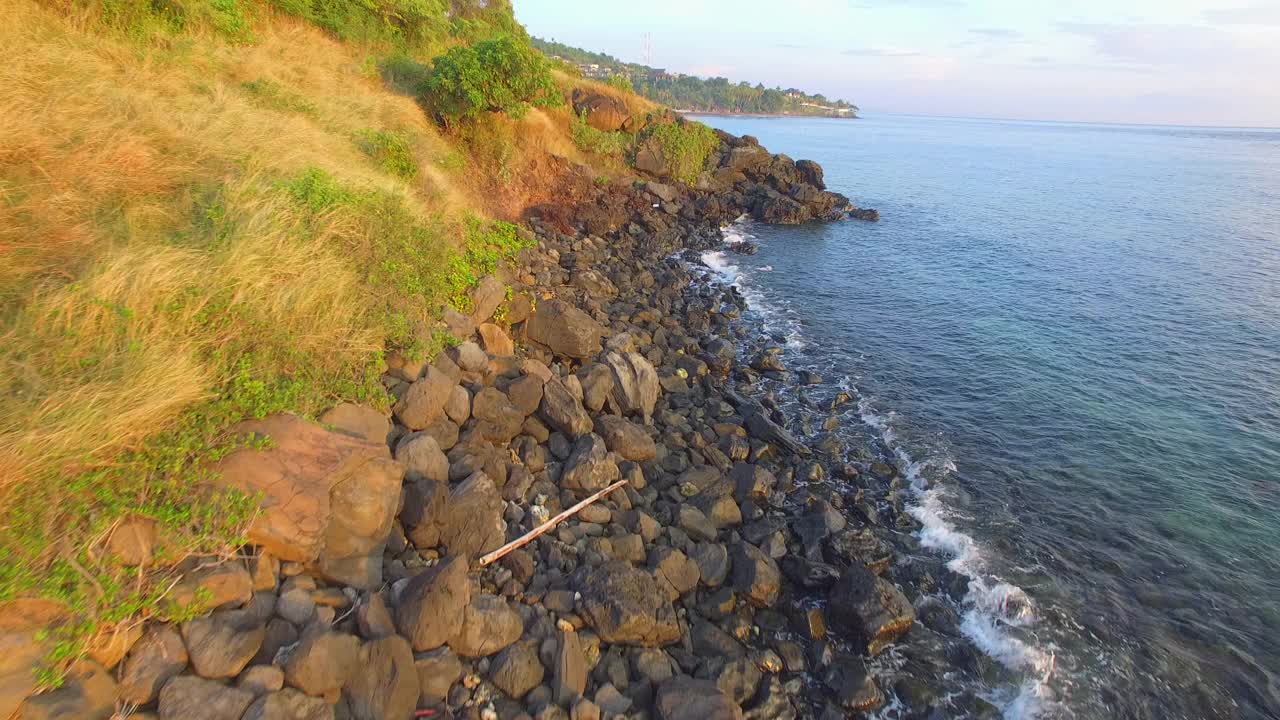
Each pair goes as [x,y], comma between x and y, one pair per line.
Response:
[727,113]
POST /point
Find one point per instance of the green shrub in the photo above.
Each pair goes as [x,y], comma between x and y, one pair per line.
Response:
[620,82]
[500,75]
[599,142]
[685,147]
[142,18]
[391,150]
[404,23]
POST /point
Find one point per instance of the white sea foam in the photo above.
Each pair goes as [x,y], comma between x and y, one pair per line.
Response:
[773,318]
[992,606]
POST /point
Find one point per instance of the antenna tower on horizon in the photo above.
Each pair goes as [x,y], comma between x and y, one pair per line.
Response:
[648,49]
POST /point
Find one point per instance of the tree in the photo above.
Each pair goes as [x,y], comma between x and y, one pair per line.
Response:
[500,75]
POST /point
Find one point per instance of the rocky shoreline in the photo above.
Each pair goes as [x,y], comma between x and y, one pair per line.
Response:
[744,569]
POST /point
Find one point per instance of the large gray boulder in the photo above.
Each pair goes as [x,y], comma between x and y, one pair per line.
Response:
[563,410]
[635,384]
[564,330]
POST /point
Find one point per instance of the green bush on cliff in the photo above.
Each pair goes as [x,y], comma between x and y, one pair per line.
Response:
[685,147]
[401,22]
[500,75]
[599,142]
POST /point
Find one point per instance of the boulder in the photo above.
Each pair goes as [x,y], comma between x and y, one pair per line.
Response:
[496,340]
[322,662]
[811,173]
[755,574]
[570,679]
[602,112]
[306,478]
[564,330]
[221,644]
[261,679]
[363,510]
[423,403]
[87,693]
[675,572]
[471,523]
[288,704]
[498,420]
[432,605]
[422,458]
[486,296]
[158,656]
[635,384]
[563,410]
[224,584]
[626,438]
[186,696]
[625,605]
[517,670]
[590,466]
[525,393]
[133,541]
[852,685]
[713,562]
[437,671]
[684,698]
[870,609]
[470,357]
[358,421]
[384,685]
[488,626]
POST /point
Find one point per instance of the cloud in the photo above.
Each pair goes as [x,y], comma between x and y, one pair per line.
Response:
[995,33]
[1257,14]
[1190,46]
[793,46]
[882,52]
[902,4]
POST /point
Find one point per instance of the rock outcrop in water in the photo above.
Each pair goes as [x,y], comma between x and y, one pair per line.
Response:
[726,579]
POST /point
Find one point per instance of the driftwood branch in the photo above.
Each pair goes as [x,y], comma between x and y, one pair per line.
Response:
[544,527]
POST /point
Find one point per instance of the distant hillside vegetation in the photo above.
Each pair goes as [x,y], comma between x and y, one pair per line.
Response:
[687,92]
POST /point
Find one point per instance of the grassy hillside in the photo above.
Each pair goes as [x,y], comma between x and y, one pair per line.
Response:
[213,210]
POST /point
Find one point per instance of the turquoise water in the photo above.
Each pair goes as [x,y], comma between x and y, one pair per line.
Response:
[1070,335]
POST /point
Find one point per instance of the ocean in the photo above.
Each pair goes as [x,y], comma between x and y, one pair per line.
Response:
[1068,338]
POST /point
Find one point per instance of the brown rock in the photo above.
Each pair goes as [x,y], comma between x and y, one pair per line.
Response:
[684,698]
[433,604]
[133,541]
[296,478]
[626,438]
[385,684]
[571,669]
[186,697]
[563,410]
[870,609]
[489,625]
[755,574]
[422,458]
[220,645]
[472,523]
[487,295]
[625,605]
[590,466]
[225,584]
[358,421]
[517,670]
[88,693]
[323,662]
[423,403]
[158,656]
[496,341]
[261,679]
[437,671]
[289,704]
[564,330]
[109,648]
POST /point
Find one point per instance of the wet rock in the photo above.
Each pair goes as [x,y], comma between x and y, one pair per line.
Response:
[684,698]
[755,574]
[517,670]
[437,671]
[186,696]
[423,403]
[384,684]
[288,704]
[564,330]
[322,662]
[489,625]
[433,604]
[751,481]
[739,679]
[852,686]
[771,703]
[625,605]
[709,640]
[626,438]
[158,656]
[870,609]
[809,574]
[590,466]
[220,645]
[563,410]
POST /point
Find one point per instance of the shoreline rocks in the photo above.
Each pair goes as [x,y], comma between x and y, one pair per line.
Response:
[731,577]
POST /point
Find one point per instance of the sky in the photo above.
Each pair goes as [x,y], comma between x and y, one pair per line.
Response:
[1137,61]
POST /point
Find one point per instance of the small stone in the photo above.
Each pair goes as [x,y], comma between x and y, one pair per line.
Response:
[517,670]
[322,662]
[571,669]
[437,671]
[261,679]
[489,625]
